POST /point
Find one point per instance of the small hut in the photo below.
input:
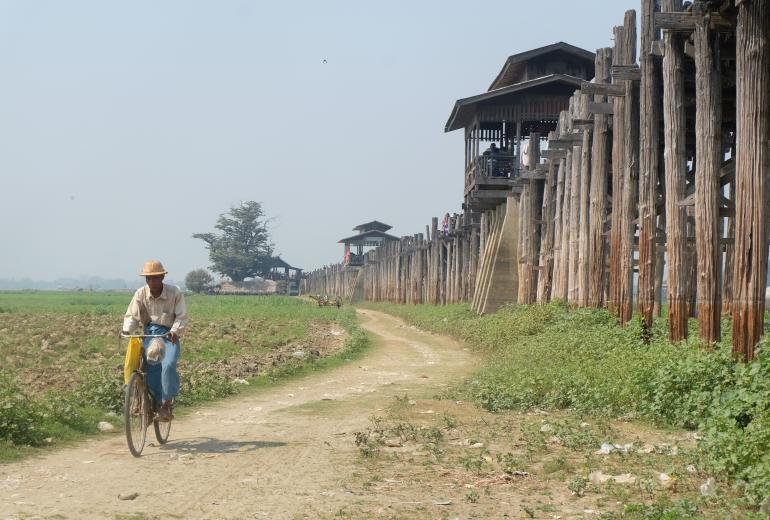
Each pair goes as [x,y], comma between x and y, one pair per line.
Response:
[288,277]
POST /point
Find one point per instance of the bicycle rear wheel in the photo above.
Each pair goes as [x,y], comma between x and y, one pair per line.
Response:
[162,429]
[135,413]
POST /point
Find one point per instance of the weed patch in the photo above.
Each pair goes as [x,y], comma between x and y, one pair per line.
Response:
[534,463]
[551,357]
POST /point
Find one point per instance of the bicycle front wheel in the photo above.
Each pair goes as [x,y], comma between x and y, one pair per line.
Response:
[135,412]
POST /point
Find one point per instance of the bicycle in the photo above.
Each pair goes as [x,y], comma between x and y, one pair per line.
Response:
[140,408]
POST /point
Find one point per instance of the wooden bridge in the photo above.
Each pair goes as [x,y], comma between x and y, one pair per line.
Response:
[654,174]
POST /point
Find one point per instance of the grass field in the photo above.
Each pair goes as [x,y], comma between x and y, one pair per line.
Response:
[62,360]
[554,358]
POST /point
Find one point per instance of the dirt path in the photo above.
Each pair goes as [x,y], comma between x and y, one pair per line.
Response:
[284,453]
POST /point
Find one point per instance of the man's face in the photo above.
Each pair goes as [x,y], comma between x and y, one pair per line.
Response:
[155,283]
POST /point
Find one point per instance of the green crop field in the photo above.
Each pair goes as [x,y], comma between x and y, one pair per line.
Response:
[62,360]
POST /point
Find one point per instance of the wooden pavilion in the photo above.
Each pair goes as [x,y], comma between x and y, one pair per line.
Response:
[525,99]
[288,277]
[371,234]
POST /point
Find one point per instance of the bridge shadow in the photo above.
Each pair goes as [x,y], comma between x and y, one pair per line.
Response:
[212,445]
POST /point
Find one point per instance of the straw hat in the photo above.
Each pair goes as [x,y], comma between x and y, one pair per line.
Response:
[153,268]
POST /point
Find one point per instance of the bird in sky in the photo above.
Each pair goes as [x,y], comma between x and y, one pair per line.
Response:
[324,61]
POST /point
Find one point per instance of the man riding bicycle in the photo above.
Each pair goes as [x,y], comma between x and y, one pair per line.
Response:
[161,309]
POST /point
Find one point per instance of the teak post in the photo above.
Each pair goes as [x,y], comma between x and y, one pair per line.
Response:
[600,167]
[630,171]
[708,162]
[675,163]
[618,156]
[751,175]
[649,102]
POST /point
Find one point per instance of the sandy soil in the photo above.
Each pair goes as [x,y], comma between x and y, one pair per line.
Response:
[281,453]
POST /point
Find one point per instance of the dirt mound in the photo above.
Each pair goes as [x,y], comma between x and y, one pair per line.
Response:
[257,286]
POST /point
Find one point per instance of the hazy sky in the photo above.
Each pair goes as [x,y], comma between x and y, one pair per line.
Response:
[125,127]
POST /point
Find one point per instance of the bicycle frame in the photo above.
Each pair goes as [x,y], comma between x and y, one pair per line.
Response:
[151,416]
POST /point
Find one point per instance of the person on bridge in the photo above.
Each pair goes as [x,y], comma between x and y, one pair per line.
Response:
[161,309]
[492,154]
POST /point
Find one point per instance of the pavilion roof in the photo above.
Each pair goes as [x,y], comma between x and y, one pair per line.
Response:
[374,224]
[280,262]
[513,65]
[553,84]
[368,236]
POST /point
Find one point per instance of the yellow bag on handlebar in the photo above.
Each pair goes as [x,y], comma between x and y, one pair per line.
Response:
[133,357]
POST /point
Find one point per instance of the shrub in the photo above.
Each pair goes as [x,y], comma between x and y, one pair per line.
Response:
[682,393]
[200,384]
[198,280]
[21,418]
[736,427]
[102,388]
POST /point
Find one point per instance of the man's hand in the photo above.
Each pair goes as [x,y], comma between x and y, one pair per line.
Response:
[173,336]
[123,333]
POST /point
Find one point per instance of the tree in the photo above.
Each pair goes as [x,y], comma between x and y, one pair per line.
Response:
[242,249]
[198,280]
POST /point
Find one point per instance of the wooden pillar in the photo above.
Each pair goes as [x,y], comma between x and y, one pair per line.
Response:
[475,252]
[545,278]
[618,156]
[557,291]
[649,153]
[727,279]
[523,246]
[533,216]
[565,227]
[440,258]
[574,225]
[434,261]
[708,164]
[751,175]
[675,165]
[630,169]
[517,161]
[448,271]
[457,259]
[536,207]
[585,186]
[692,262]
[533,151]
[660,252]
[600,166]
[467,150]
[466,257]
[422,263]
